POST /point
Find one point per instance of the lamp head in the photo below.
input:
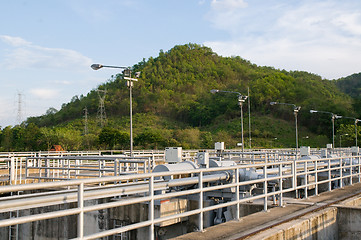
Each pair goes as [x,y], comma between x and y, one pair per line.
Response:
[96,66]
[214,91]
[313,111]
[137,74]
[127,72]
[273,103]
[297,109]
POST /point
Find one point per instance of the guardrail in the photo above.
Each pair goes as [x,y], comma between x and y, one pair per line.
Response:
[37,169]
[147,188]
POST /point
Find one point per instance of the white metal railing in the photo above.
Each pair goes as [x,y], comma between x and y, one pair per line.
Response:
[54,166]
[145,188]
[24,170]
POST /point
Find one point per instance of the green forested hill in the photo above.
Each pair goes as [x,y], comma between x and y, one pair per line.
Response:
[173,106]
[350,85]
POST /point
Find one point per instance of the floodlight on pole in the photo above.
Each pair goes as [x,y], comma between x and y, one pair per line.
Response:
[127,76]
[296,109]
[213,91]
[241,100]
[333,117]
[97,66]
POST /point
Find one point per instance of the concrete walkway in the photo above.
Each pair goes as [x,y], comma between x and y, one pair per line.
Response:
[249,226]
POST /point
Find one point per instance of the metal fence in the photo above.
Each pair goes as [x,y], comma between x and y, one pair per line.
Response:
[290,177]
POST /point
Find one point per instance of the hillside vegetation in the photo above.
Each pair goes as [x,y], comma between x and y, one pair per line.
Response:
[173,106]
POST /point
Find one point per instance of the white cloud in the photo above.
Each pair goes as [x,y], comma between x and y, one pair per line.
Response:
[45,93]
[27,55]
[62,82]
[321,37]
[349,23]
[14,41]
[225,14]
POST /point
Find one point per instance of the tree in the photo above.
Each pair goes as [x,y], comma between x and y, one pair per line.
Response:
[207,140]
[149,137]
[6,139]
[111,136]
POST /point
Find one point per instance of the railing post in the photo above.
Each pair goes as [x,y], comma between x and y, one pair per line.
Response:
[81,214]
[46,168]
[329,176]
[294,178]
[200,204]
[341,177]
[39,168]
[316,176]
[77,164]
[26,169]
[281,185]
[306,179]
[265,188]
[351,173]
[116,164]
[237,193]
[12,171]
[151,208]
[358,163]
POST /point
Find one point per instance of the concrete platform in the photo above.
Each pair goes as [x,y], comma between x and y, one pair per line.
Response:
[252,226]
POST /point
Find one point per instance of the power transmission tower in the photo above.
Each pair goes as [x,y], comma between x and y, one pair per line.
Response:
[19,117]
[102,118]
[85,121]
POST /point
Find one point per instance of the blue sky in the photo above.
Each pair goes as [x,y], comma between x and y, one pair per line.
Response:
[47,47]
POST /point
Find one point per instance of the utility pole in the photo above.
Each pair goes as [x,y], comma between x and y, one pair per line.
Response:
[85,121]
[19,117]
[102,118]
[249,120]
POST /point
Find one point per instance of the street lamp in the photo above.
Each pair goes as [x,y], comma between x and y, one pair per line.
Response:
[346,134]
[333,117]
[296,109]
[241,100]
[127,75]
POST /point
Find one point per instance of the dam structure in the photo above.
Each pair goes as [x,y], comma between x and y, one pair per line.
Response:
[182,194]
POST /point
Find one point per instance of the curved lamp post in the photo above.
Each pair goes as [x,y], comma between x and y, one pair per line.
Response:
[127,73]
[333,117]
[296,109]
[241,100]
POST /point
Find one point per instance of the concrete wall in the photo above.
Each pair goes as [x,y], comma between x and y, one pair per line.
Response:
[349,222]
[319,225]
[57,228]
[356,201]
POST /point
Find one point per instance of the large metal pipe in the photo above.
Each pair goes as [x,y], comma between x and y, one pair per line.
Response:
[62,197]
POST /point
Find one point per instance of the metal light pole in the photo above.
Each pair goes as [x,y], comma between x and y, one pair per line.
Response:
[241,100]
[127,76]
[296,109]
[356,121]
[333,117]
[249,120]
